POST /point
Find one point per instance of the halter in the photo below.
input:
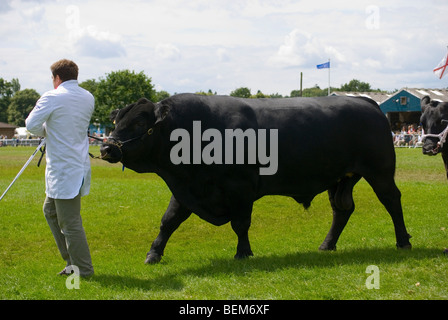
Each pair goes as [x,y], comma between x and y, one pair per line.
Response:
[441,136]
[119,144]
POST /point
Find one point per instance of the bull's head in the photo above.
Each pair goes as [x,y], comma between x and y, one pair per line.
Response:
[434,120]
[135,128]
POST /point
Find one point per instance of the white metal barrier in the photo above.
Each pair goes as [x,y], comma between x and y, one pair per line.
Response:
[405,140]
[19,142]
[32,142]
[400,141]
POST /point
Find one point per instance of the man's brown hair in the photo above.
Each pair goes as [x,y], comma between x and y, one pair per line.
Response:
[65,69]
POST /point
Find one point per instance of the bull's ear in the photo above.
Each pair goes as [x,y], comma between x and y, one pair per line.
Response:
[113,115]
[160,111]
[424,103]
[434,103]
[443,109]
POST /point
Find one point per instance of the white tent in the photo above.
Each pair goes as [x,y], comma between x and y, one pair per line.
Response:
[22,133]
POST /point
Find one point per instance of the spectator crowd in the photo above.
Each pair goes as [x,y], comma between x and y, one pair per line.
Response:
[409,136]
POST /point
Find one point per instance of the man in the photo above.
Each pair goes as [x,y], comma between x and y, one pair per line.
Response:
[62,116]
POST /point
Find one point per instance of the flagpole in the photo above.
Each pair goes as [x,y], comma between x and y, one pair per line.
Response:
[329,67]
[323,66]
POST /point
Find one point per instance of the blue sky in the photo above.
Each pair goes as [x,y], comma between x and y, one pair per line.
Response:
[187,46]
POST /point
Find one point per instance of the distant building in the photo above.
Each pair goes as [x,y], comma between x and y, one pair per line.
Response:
[7,130]
[378,97]
[98,129]
[402,107]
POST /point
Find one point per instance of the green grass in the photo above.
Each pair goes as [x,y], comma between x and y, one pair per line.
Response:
[122,216]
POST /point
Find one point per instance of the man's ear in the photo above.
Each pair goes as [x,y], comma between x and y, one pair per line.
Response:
[161,110]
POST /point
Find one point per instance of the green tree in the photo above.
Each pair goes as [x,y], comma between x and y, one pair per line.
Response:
[118,89]
[276,96]
[209,93]
[295,93]
[160,95]
[242,92]
[259,95]
[21,105]
[356,86]
[90,85]
[7,90]
[315,91]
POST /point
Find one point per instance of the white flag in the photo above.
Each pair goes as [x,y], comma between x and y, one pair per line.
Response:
[440,70]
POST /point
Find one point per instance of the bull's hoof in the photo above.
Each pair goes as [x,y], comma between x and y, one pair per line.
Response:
[243,255]
[152,258]
[404,247]
[326,247]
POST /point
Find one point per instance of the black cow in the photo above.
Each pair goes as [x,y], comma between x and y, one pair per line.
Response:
[325,143]
[434,121]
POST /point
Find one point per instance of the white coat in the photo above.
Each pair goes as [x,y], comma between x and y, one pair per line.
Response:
[63,116]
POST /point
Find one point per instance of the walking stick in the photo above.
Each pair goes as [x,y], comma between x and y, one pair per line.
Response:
[42,143]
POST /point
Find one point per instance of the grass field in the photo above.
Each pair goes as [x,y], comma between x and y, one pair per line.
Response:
[122,216]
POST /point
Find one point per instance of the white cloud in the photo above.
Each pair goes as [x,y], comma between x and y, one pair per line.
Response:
[304,49]
[292,51]
[99,44]
[90,41]
[35,14]
[221,45]
[5,6]
[168,51]
[223,55]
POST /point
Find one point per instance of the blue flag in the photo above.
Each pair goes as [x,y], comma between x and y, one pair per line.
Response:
[324,65]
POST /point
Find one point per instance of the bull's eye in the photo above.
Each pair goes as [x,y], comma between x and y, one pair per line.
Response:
[139,125]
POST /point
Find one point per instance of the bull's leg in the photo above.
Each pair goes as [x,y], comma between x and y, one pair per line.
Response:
[241,228]
[389,195]
[171,220]
[341,201]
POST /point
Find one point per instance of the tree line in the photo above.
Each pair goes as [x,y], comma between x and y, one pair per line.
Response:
[120,88]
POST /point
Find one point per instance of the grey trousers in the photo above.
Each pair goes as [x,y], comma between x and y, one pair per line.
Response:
[64,218]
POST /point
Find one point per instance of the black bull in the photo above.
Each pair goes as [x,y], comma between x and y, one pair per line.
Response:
[326,143]
[434,121]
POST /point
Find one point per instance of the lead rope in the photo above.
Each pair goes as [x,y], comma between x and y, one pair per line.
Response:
[441,136]
[42,149]
[119,144]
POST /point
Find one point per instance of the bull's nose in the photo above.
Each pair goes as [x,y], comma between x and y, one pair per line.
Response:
[108,153]
[105,152]
[430,150]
